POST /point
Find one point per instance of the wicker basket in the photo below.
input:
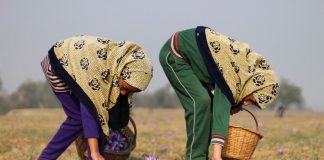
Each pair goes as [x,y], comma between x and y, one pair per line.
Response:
[241,142]
[81,145]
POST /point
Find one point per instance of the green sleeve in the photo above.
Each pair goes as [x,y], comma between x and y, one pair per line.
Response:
[220,117]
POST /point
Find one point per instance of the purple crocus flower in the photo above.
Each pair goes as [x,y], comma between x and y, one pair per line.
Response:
[117,141]
[261,125]
[151,158]
[153,141]
[280,151]
[170,133]
[164,148]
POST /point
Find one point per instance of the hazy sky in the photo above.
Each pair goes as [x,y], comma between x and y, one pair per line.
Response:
[289,33]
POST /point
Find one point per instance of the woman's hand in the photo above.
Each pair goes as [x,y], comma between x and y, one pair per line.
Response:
[94,149]
[236,109]
[217,152]
[97,156]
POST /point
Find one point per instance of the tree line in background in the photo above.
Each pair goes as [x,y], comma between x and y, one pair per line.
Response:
[37,94]
[30,94]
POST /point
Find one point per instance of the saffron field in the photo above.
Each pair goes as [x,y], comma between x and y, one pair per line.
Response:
[161,133]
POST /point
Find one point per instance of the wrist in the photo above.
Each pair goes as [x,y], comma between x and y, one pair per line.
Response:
[93,145]
[95,155]
[94,152]
[217,148]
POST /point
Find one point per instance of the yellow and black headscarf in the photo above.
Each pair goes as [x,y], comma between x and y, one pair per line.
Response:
[243,71]
[91,66]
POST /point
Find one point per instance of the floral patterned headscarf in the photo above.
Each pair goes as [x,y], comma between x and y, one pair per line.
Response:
[96,64]
[244,71]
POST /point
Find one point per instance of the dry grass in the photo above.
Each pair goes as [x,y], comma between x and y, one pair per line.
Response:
[161,132]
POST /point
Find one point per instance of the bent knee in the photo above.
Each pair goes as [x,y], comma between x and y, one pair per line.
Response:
[203,102]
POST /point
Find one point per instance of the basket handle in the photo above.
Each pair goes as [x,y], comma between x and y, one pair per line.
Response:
[134,126]
[256,121]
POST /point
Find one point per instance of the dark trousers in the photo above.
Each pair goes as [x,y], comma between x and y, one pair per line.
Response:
[78,120]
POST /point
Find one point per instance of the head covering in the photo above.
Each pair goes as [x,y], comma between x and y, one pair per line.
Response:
[96,64]
[245,71]
[138,73]
[265,96]
[262,83]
